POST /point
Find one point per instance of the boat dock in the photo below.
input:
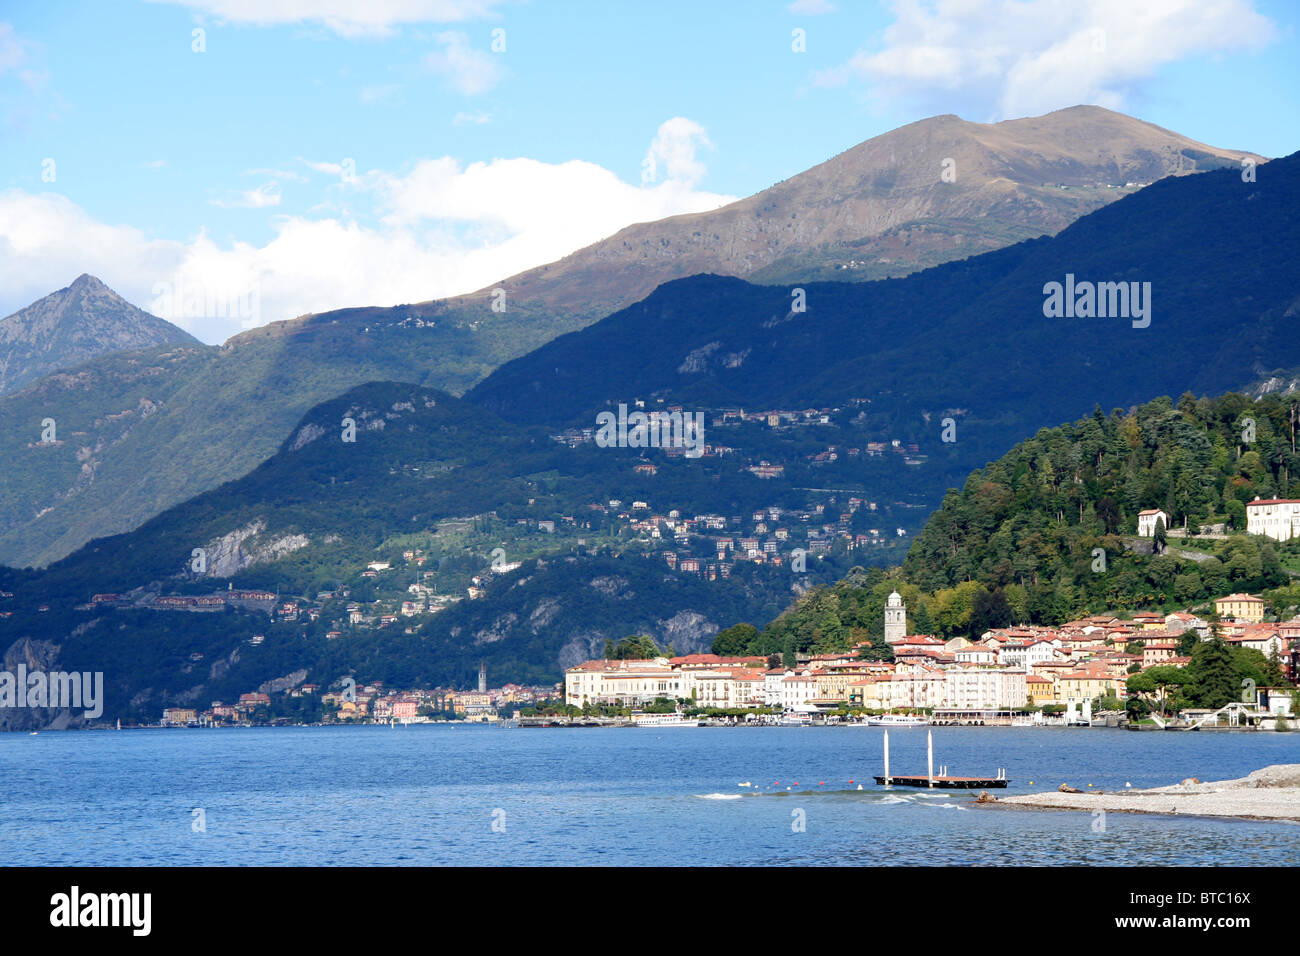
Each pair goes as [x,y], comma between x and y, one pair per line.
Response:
[944,782]
[941,780]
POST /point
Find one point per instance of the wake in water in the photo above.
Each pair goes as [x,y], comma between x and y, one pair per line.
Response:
[877,797]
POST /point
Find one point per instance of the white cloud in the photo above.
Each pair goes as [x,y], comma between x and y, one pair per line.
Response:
[998,59]
[345,17]
[261,197]
[331,169]
[471,119]
[443,228]
[469,70]
[289,174]
[672,153]
[16,58]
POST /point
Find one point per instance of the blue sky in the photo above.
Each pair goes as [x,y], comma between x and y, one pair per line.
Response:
[226,168]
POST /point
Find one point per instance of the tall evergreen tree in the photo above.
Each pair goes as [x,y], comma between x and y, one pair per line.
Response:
[1212,675]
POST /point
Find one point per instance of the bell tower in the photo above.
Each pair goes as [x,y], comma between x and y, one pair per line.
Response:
[895,619]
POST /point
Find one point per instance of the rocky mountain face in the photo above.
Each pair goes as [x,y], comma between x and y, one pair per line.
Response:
[73,325]
[933,191]
[930,192]
[1283,381]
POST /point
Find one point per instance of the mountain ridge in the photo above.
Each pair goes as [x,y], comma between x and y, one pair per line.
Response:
[188,422]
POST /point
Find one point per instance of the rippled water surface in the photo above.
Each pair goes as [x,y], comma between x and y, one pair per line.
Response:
[483,795]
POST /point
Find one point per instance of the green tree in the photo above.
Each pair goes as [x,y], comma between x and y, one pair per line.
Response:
[989,611]
[638,647]
[735,641]
[1213,679]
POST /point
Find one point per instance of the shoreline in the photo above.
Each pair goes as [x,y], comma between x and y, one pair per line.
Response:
[1270,794]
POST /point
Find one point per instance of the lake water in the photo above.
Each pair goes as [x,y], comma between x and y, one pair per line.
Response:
[432,795]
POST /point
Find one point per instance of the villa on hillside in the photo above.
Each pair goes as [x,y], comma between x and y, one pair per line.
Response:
[1242,607]
[1147,522]
[1276,518]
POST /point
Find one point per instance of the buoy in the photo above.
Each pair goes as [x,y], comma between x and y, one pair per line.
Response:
[850,781]
[821,782]
[859,786]
[1127,784]
[1031,783]
[1090,785]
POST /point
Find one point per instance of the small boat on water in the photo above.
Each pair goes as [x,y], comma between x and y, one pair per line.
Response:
[663,720]
[897,720]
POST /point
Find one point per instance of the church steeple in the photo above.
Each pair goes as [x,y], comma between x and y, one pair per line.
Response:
[895,618]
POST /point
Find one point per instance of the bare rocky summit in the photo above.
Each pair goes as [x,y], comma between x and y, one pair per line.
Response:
[73,325]
[883,208]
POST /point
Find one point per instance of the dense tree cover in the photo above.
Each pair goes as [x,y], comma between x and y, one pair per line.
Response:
[1017,543]
[1051,523]
[825,620]
[637,647]
[437,458]
[1211,679]
[734,641]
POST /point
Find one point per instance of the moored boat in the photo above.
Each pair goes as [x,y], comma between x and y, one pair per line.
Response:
[897,720]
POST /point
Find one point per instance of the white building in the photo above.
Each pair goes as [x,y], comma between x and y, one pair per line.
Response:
[1276,518]
[737,687]
[984,688]
[975,654]
[1029,654]
[626,683]
[895,618]
[1147,522]
[921,687]
[798,693]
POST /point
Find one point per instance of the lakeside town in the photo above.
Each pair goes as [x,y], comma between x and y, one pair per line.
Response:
[1009,675]
[1078,673]
[352,702]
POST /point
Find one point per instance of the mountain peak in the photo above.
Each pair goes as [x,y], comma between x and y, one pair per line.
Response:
[75,324]
[86,280]
[932,191]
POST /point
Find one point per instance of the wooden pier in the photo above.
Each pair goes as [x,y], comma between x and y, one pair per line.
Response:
[945,783]
[941,780]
